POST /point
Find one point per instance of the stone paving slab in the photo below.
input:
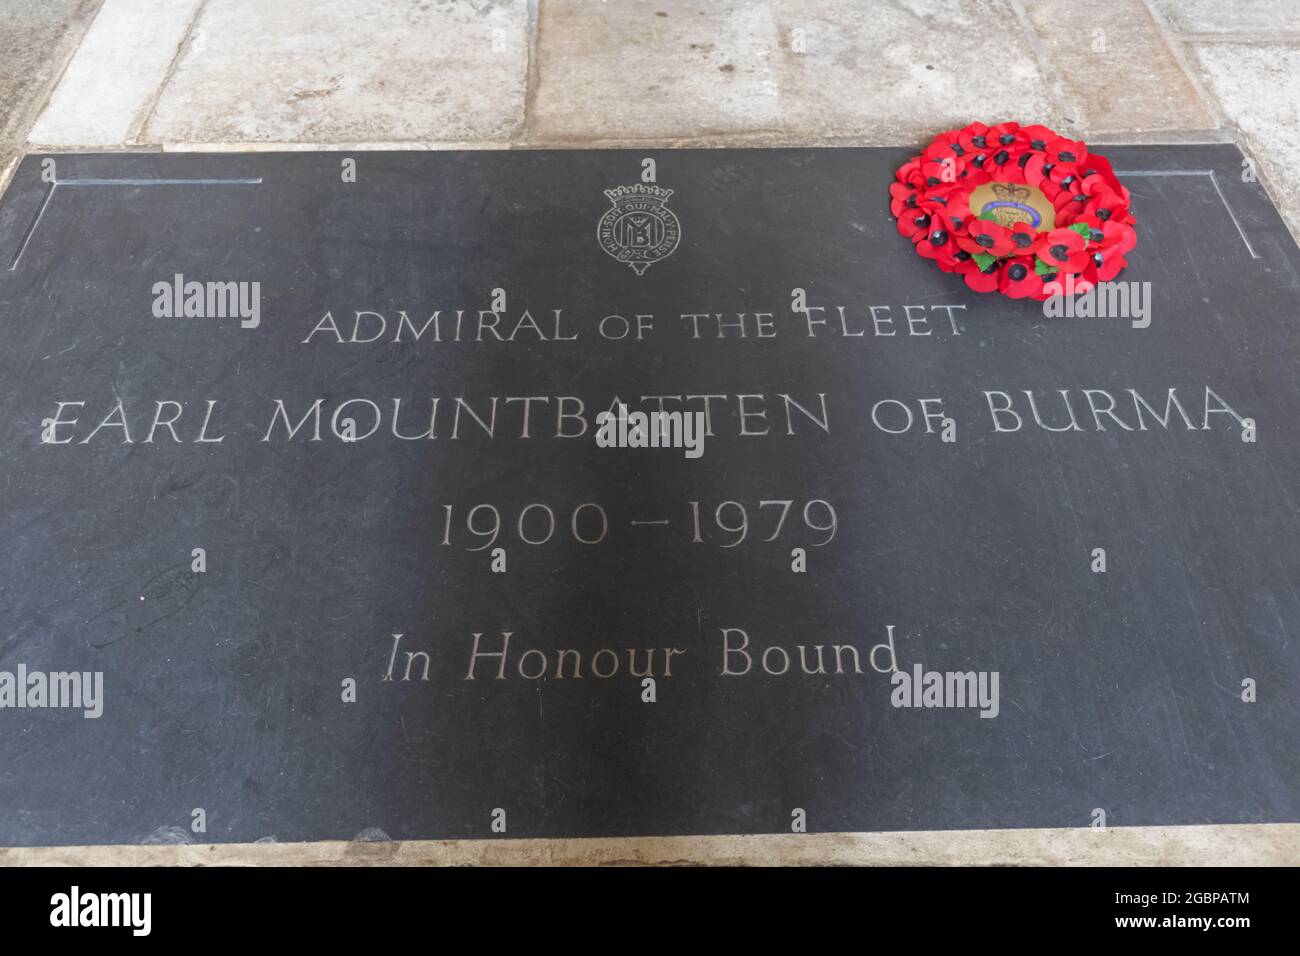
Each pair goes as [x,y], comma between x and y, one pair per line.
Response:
[37,37]
[1259,89]
[348,70]
[1120,75]
[806,71]
[1201,17]
[111,84]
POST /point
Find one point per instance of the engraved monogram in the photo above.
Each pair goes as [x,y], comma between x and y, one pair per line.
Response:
[639,229]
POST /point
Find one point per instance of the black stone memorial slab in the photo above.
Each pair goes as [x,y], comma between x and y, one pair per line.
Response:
[299,477]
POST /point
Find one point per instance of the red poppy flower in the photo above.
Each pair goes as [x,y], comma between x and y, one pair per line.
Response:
[1007,173]
[938,242]
[940,166]
[1086,279]
[1069,205]
[1003,136]
[948,262]
[1037,168]
[1103,168]
[910,173]
[1037,137]
[1065,175]
[1025,239]
[939,148]
[1019,278]
[1047,290]
[957,210]
[929,249]
[1108,234]
[1064,250]
[1069,285]
[942,194]
[1107,206]
[1106,244]
[1051,190]
[1109,263]
[1004,147]
[1066,151]
[913,223]
[902,196]
[1092,184]
[973,177]
[987,237]
[951,139]
[1120,235]
[981,280]
[974,138]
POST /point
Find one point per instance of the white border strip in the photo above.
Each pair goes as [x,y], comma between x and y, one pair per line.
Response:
[1275,844]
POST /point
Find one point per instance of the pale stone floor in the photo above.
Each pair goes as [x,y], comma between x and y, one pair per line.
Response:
[429,74]
[253,74]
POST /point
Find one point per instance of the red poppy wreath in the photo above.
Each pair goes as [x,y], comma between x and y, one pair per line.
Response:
[1015,209]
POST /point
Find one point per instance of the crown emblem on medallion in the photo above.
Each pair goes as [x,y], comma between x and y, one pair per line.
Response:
[640,190]
[1012,204]
[1010,192]
[639,229]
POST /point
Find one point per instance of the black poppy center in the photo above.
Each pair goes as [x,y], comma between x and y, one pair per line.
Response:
[1001,157]
[1059,252]
[1066,157]
[1017,272]
[922,221]
[985,240]
[1022,239]
[1006,139]
[938,237]
[1103,214]
[979,141]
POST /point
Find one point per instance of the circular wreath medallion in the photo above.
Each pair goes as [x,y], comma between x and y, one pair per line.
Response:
[1015,209]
